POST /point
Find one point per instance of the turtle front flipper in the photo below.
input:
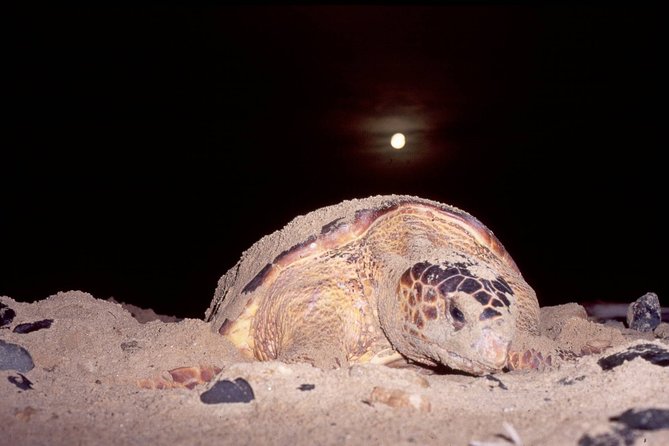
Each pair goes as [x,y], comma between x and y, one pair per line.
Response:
[532,352]
[529,359]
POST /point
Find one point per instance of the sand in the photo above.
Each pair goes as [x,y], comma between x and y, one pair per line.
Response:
[87,363]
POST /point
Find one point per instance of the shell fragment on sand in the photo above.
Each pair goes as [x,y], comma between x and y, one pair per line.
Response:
[398,398]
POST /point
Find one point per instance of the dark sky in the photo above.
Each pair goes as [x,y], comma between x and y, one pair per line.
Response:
[147,148]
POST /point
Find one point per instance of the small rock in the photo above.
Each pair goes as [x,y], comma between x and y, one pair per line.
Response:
[644,314]
[6,315]
[130,347]
[617,437]
[650,352]
[569,381]
[227,391]
[304,387]
[662,330]
[399,399]
[21,382]
[647,419]
[499,382]
[29,327]
[632,422]
[15,357]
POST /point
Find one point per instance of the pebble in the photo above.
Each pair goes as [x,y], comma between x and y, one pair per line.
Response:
[21,382]
[29,327]
[15,357]
[662,330]
[306,387]
[644,314]
[226,391]
[130,346]
[570,381]
[650,352]
[6,315]
[498,381]
[629,427]
[616,437]
[645,419]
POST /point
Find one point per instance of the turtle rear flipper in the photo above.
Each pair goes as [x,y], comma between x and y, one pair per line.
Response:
[181,377]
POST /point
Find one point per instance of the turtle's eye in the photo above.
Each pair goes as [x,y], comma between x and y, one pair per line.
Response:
[457,315]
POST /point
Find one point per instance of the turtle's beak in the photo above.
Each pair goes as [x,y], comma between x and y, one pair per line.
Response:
[492,349]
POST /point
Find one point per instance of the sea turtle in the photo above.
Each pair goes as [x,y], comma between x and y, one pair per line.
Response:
[378,280]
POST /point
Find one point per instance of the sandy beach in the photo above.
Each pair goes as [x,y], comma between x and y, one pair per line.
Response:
[83,388]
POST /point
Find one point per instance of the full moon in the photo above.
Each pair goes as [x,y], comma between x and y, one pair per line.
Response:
[397,141]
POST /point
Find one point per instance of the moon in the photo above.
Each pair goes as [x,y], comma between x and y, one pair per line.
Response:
[398,141]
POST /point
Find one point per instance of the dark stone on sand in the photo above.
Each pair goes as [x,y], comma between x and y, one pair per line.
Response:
[130,347]
[499,382]
[646,419]
[644,314]
[571,381]
[29,327]
[619,437]
[226,391]
[6,315]
[650,352]
[305,387]
[21,382]
[15,357]
[633,421]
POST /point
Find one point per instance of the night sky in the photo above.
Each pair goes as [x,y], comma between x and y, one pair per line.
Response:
[146,149]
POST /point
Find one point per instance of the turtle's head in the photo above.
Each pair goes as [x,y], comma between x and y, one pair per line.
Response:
[455,314]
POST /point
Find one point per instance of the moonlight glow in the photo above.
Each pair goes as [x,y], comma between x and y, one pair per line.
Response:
[397,141]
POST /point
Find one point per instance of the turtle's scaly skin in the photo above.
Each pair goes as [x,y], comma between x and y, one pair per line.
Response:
[377,280]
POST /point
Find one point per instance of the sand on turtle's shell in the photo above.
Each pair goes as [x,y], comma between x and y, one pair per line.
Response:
[227,303]
[88,361]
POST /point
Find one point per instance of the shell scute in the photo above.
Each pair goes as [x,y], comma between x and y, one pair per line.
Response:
[339,232]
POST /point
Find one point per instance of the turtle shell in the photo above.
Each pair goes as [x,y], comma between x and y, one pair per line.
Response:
[321,230]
